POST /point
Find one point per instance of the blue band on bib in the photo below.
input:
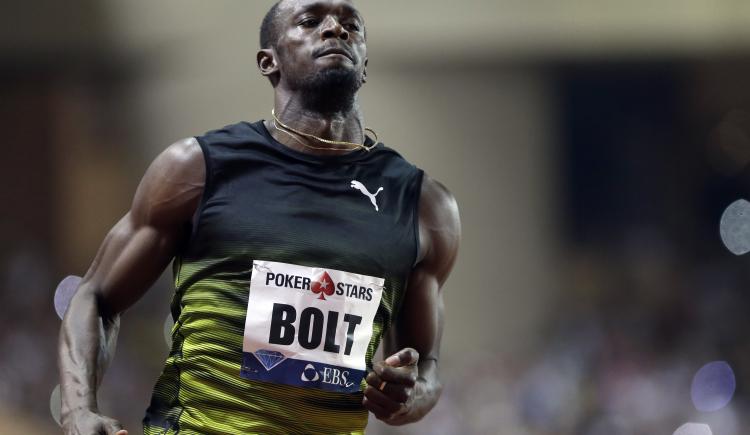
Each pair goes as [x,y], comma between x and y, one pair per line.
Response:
[268,367]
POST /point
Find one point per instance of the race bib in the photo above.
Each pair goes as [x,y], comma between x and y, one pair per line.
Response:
[309,326]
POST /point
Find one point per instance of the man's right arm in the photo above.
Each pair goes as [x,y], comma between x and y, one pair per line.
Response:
[132,256]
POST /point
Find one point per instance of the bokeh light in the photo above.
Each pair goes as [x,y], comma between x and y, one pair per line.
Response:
[725,421]
[168,325]
[55,404]
[693,429]
[64,293]
[713,386]
[735,227]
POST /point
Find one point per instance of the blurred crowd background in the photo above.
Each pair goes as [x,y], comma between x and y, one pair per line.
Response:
[592,146]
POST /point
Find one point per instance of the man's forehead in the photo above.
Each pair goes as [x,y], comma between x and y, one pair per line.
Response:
[300,5]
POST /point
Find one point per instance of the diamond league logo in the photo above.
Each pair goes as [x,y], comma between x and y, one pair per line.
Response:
[269,358]
[310,374]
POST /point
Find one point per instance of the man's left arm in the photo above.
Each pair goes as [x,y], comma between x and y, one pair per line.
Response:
[405,387]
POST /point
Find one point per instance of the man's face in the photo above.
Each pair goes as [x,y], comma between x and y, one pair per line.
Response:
[319,38]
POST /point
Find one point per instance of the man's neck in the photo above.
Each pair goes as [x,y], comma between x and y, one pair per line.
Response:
[343,126]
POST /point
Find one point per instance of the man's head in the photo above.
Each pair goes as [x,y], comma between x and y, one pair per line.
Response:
[269,29]
[316,48]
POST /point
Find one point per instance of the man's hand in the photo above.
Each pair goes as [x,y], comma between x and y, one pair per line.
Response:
[90,423]
[391,386]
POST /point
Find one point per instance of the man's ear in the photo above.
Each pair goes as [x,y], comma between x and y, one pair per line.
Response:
[364,72]
[267,64]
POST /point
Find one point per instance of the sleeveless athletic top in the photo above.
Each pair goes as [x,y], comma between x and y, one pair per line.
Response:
[295,267]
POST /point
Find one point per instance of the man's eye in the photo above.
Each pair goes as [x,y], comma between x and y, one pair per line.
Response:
[309,22]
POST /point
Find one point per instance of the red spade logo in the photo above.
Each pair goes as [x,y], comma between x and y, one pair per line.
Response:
[323,285]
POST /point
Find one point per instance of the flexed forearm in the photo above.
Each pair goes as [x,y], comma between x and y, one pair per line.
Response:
[87,345]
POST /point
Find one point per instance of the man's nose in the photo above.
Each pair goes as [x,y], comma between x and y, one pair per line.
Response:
[331,28]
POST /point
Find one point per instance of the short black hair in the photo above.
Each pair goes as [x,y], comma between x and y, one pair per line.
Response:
[269,29]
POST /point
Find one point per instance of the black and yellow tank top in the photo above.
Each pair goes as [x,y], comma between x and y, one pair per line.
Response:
[296,266]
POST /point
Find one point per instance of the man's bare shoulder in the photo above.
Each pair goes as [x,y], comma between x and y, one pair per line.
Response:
[437,202]
[171,189]
[185,151]
[439,224]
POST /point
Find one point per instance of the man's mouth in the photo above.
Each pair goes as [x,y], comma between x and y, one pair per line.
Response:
[335,51]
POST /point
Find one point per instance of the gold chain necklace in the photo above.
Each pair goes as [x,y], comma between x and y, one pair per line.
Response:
[301,142]
[280,126]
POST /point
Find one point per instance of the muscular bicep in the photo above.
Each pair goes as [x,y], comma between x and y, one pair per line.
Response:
[144,241]
[420,322]
[130,259]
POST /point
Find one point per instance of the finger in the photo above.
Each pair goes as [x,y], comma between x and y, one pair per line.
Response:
[383,401]
[373,379]
[404,357]
[113,427]
[394,392]
[376,409]
[398,375]
[397,392]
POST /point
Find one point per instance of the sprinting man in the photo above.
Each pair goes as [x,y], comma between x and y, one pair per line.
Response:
[287,278]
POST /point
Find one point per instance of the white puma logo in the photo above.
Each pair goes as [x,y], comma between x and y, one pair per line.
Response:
[361,187]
